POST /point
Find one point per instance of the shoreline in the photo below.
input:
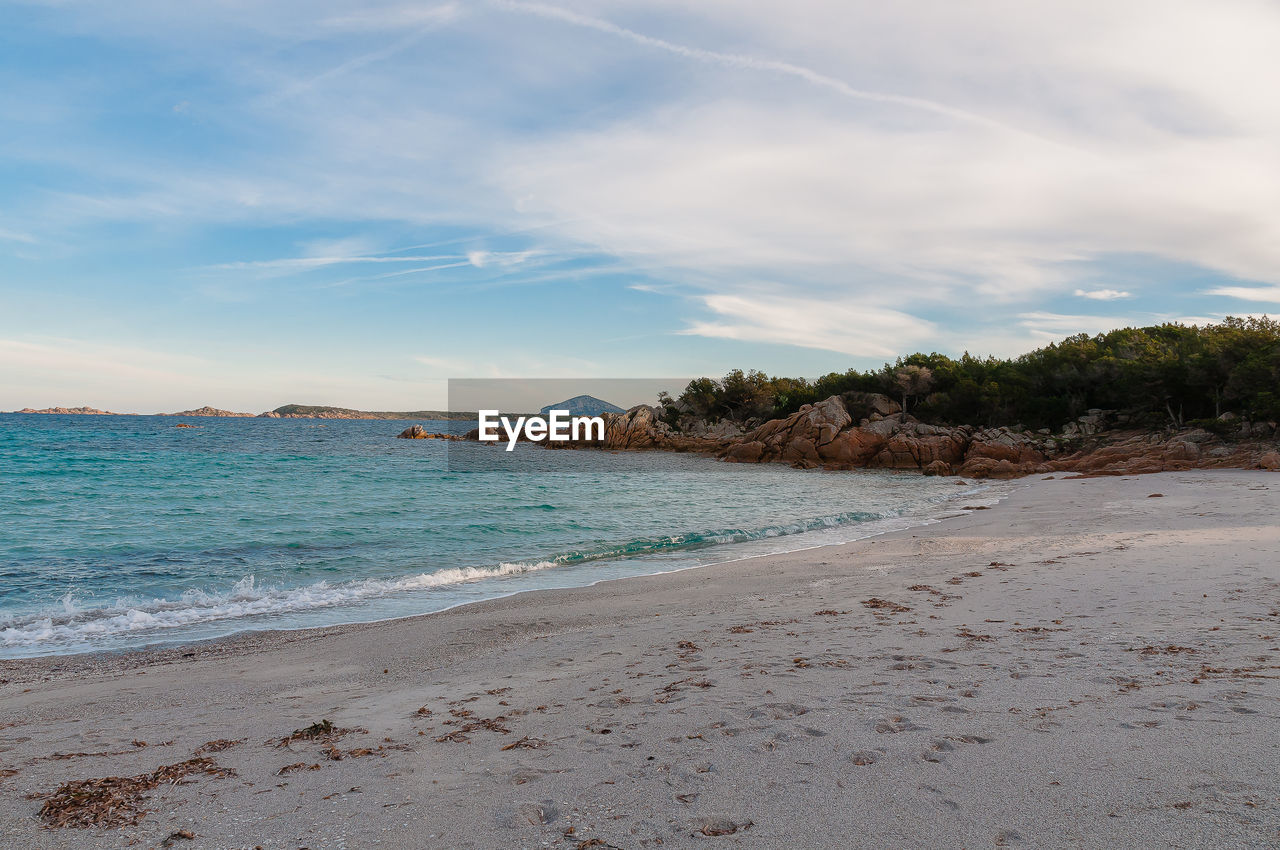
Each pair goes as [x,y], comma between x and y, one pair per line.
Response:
[184,648]
[1081,664]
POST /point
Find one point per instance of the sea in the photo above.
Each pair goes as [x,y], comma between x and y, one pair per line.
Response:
[124,532]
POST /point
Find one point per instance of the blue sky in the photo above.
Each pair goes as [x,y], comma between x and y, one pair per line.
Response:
[247,204]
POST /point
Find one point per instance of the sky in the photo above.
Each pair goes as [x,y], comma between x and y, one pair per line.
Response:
[325,202]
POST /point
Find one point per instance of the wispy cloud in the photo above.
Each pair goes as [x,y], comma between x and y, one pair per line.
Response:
[754,63]
[7,235]
[847,327]
[1050,326]
[394,17]
[1103,294]
[423,21]
[302,263]
[1262,294]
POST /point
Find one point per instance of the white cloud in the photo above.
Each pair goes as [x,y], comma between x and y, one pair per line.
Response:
[1269,294]
[1051,326]
[503,259]
[833,325]
[874,162]
[1103,294]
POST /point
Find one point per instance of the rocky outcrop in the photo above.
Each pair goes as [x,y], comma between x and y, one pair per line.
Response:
[1135,453]
[69,411]
[638,429]
[208,411]
[825,435]
[641,428]
[417,432]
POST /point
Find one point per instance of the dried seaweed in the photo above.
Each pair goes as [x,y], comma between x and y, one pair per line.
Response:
[322,731]
[878,604]
[300,765]
[116,801]
[526,743]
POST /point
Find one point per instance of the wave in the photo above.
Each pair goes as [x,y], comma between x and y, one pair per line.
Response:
[76,626]
[701,539]
[244,600]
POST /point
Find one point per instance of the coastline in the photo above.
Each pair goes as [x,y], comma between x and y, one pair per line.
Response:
[516,576]
[772,674]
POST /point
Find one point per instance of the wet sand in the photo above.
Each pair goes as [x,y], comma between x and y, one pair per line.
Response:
[1081,665]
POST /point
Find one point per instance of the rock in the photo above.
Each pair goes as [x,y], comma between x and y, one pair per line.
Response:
[1270,460]
[641,428]
[750,452]
[869,405]
[1094,421]
[1003,444]
[938,467]
[801,450]
[1257,430]
[723,430]
[417,432]
[985,467]
[805,435]
[852,448]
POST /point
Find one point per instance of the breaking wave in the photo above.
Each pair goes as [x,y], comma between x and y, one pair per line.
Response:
[76,626]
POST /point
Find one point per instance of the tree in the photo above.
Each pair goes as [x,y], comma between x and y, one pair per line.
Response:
[913,381]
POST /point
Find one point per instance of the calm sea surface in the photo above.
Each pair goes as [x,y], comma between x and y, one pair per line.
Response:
[119,532]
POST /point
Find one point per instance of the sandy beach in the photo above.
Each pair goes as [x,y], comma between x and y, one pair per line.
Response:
[1084,664]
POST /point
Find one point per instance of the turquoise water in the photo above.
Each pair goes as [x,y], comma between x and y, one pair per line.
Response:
[120,532]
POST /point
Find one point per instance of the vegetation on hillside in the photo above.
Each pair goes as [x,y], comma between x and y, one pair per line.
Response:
[1169,374]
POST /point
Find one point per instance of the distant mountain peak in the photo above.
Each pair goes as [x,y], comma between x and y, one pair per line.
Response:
[583,405]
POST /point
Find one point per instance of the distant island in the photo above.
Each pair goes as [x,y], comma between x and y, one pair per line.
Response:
[307,411]
[583,405]
[206,411]
[288,411]
[70,411]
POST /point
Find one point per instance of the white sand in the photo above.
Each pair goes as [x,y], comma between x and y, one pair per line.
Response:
[1017,708]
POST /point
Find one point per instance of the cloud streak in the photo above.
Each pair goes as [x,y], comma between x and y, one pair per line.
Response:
[852,328]
[753,63]
[1260,294]
[425,20]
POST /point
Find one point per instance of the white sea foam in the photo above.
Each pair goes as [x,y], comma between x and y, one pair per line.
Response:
[245,600]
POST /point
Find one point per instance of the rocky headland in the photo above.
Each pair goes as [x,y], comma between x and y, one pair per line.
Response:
[870,431]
